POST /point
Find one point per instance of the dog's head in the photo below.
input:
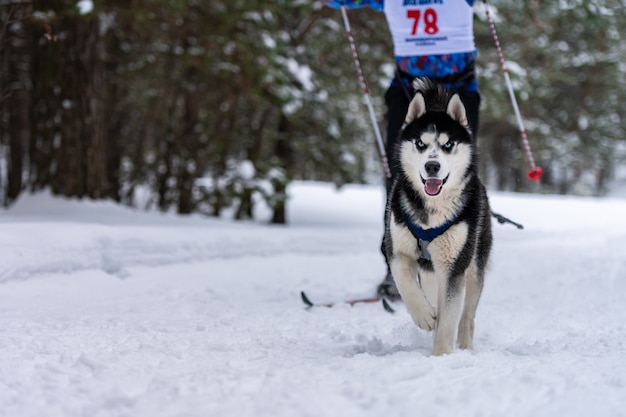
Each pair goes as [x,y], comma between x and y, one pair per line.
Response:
[435,150]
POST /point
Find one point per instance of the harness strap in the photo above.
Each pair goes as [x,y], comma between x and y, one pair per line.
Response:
[426,234]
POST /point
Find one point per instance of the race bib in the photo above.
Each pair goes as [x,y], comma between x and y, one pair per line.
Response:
[430,27]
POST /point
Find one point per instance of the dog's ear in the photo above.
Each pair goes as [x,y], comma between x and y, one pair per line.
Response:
[416,109]
[456,110]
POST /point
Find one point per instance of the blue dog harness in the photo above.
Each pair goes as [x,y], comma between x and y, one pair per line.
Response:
[425,236]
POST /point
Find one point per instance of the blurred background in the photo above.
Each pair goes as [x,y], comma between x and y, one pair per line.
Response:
[212,106]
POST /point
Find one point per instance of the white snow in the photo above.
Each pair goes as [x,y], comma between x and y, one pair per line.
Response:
[105,311]
[85,6]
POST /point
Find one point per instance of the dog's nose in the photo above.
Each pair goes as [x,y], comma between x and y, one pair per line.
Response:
[432,168]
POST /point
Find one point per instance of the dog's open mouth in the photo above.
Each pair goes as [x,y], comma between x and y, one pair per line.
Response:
[433,186]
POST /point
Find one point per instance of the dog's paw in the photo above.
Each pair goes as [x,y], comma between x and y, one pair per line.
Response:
[426,319]
[442,350]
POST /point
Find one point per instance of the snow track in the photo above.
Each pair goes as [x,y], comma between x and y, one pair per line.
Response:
[107,312]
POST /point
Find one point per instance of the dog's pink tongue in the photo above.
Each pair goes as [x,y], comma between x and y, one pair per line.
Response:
[433,186]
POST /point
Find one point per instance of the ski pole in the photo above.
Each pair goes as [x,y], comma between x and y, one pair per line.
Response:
[535,172]
[366,94]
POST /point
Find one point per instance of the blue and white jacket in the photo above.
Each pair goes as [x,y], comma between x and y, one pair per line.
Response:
[438,66]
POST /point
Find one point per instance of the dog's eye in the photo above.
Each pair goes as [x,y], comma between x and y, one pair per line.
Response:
[448,145]
[420,145]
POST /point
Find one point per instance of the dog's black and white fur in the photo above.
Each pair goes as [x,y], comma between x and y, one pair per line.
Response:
[438,228]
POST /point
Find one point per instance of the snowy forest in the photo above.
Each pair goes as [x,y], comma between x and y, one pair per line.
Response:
[207,105]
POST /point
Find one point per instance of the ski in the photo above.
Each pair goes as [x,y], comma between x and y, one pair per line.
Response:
[351,302]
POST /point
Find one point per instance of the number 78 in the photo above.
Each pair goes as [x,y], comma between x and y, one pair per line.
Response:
[430,20]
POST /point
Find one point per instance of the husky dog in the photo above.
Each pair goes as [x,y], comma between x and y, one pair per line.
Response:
[438,227]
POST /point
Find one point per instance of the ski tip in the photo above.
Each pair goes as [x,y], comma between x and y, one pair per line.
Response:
[387,307]
[305,299]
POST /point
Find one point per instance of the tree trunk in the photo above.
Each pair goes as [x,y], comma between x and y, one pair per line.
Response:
[14,95]
[95,102]
[284,153]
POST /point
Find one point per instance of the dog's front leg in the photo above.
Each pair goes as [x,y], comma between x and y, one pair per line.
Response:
[475,279]
[450,304]
[404,271]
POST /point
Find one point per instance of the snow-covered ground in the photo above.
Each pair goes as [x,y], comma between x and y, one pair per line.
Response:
[105,311]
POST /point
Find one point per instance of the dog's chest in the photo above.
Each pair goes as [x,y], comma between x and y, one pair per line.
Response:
[440,250]
[444,249]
